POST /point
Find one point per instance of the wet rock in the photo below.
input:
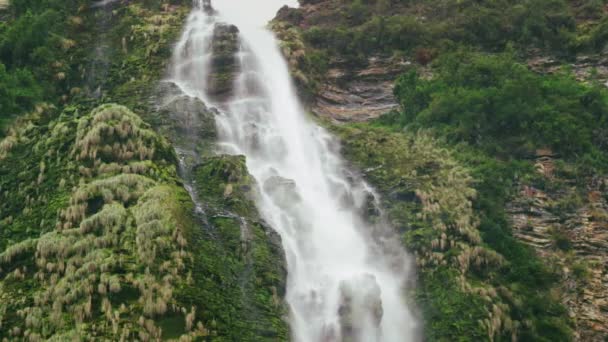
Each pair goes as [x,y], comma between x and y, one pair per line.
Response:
[190,115]
[276,244]
[360,307]
[576,240]
[282,190]
[208,8]
[370,210]
[224,65]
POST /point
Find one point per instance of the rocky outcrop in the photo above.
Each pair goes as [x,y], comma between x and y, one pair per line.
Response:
[584,67]
[187,115]
[358,94]
[572,233]
[253,269]
[345,91]
[224,66]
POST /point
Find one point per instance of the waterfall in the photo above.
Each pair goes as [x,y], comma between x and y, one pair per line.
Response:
[346,271]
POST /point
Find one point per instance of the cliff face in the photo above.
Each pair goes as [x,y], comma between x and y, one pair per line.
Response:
[335,87]
[549,211]
[567,224]
[99,237]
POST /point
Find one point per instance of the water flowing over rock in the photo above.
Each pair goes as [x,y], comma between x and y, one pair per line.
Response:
[360,309]
[341,285]
[224,46]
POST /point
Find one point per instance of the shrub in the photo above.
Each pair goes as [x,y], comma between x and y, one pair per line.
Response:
[495,103]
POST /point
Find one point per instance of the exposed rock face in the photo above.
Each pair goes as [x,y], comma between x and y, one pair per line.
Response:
[224,65]
[358,94]
[189,114]
[575,237]
[188,123]
[584,68]
[346,91]
[207,7]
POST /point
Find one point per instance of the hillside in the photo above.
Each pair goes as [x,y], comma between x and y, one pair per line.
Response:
[160,181]
[513,92]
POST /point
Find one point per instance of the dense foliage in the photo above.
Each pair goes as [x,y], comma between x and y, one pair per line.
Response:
[56,51]
[97,235]
[422,28]
[494,103]
[33,46]
[470,88]
[497,113]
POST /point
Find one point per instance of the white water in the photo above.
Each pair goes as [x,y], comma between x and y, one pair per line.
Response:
[343,279]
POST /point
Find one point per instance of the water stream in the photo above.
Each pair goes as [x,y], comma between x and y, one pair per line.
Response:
[346,274]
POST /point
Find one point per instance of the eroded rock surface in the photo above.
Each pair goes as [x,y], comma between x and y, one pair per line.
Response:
[358,94]
[346,91]
[573,237]
[584,68]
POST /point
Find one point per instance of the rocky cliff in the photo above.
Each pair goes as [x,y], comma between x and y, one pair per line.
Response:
[566,222]
[549,211]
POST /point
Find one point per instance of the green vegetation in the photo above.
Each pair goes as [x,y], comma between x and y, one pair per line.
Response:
[239,260]
[472,119]
[98,237]
[494,113]
[58,51]
[384,26]
[452,218]
[497,104]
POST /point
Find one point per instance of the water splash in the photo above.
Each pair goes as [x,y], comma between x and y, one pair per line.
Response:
[346,274]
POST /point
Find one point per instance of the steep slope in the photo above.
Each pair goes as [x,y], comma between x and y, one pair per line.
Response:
[111,263]
[99,238]
[455,58]
[124,223]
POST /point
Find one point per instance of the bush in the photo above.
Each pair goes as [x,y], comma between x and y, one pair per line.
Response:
[495,103]
[366,26]
[18,92]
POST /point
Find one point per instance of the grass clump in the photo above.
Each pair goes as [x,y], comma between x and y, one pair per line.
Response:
[112,263]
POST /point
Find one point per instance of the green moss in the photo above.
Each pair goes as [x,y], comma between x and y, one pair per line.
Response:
[227,184]
[115,232]
[239,260]
[95,187]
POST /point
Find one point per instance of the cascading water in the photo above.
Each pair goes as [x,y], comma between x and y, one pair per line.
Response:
[346,275]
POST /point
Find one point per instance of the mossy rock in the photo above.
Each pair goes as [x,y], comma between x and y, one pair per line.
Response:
[225,182]
[224,47]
